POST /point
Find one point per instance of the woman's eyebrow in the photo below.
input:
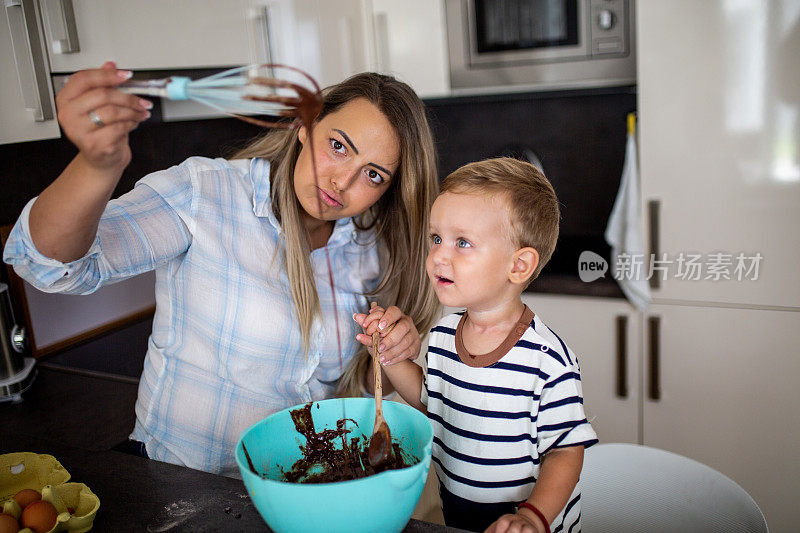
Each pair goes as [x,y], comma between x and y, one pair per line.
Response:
[347,140]
[353,146]
[382,169]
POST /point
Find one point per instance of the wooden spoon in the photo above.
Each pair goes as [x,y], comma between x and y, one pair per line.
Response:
[380,444]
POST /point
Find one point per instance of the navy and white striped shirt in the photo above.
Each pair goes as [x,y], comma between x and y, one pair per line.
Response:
[492,425]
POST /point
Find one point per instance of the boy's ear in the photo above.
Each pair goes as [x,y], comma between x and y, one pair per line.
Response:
[525,261]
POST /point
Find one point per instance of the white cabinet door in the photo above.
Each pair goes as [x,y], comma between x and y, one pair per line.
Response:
[729,398]
[719,130]
[328,40]
[411,44]
[591,328]
[27,107]
[149,34]
[333,40]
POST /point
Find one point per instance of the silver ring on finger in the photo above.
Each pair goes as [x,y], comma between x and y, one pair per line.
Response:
[97,120]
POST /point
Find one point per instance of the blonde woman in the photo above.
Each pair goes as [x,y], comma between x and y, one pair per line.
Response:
[246,314]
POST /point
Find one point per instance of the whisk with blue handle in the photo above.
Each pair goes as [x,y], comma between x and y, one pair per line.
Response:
[243,91]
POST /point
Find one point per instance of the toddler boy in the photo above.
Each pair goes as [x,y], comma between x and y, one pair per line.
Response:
[502,390]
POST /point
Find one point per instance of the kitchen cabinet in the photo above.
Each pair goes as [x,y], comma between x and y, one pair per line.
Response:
[710,383]
[605,333]
[64,36]
[328,40]
[146,34]
[411,44]
[333,40]
[719,127]
[719,136]
[725,393]
[27,107]
[57,321]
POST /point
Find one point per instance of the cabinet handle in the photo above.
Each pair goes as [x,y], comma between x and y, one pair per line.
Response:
[30,58]
[622,356]
[266,38]
[654,358]
[61,17]
[654,216]
[345,28]
[380,22]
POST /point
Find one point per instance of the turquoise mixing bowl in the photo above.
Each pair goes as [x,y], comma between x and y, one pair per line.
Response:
[383,502]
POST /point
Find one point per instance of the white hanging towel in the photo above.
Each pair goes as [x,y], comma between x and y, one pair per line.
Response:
[624,230]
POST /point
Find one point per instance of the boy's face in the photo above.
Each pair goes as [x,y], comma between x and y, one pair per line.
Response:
[471,253]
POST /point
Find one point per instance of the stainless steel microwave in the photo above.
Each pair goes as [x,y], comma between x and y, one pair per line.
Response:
[540,44]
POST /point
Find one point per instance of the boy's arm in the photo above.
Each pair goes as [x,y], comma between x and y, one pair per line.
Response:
[558,476]
[557,479]
[405,377]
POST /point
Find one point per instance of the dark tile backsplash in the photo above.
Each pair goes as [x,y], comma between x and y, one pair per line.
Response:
[579,136]
[27,168]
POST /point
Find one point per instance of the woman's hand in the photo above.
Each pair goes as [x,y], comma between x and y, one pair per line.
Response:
[517,523]
[97,117]
[399,337]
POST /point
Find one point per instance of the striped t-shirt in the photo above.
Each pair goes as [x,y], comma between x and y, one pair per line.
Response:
[492,425]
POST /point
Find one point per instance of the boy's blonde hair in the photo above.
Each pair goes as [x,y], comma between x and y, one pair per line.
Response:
[399,218]
[532,203]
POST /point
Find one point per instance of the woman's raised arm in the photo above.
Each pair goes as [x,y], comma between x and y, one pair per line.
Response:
[97,118]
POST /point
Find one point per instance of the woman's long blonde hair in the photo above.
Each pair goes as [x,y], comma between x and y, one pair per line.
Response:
[399,218]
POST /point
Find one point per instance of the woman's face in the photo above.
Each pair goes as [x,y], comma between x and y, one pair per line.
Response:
[357,155]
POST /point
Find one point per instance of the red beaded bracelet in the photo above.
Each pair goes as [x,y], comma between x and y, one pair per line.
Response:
[538,513]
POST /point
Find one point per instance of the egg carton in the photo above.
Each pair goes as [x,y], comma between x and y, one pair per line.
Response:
[75,503]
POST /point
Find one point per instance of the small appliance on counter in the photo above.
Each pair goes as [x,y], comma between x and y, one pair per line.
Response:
[16,371]
[497,45]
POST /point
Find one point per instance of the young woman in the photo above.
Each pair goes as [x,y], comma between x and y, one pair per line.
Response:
[247,309]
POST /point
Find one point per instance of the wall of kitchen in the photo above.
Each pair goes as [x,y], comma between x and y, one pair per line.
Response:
[578,137]
[709,368]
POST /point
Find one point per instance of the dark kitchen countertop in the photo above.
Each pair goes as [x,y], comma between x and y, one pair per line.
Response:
[78,416]
[74,408]
[561,284]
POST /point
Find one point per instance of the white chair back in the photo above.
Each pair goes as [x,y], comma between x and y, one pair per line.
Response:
[626,488]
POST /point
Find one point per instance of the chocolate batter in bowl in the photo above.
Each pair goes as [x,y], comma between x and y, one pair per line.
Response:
[333,488]
[336,454]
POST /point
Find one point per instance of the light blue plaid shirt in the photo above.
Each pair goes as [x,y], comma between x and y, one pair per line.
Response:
[226,348]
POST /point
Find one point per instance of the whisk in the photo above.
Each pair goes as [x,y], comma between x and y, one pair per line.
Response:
[253,90]
[242,91]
